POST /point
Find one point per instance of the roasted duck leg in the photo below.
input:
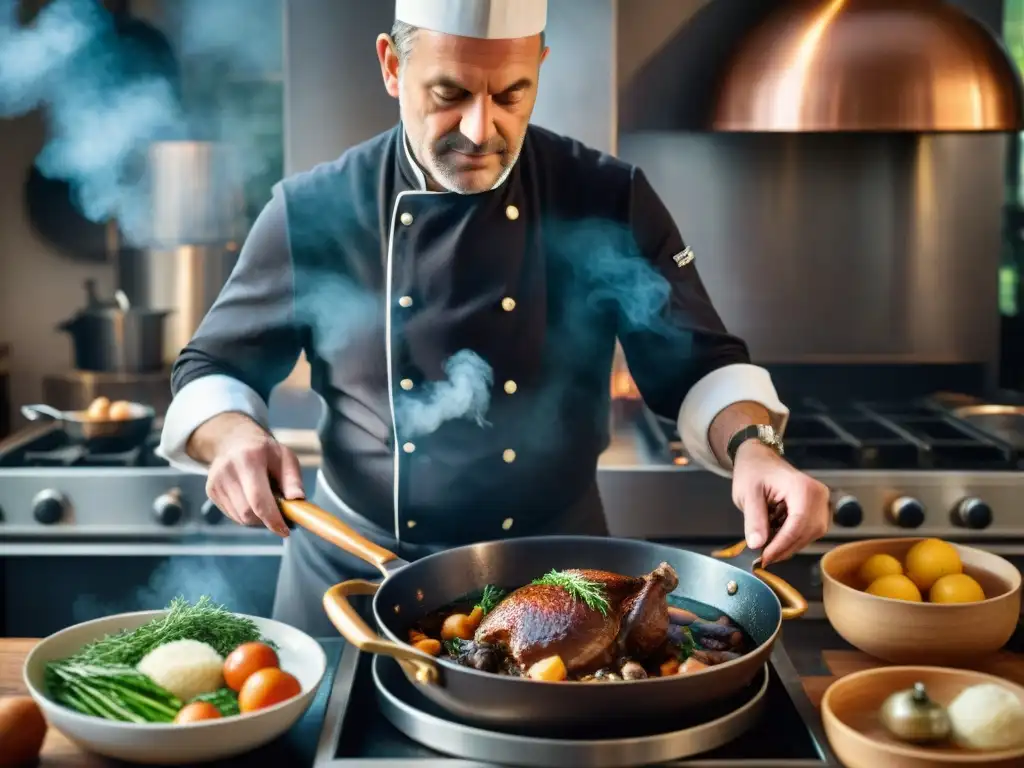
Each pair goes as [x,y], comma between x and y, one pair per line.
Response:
[543,620]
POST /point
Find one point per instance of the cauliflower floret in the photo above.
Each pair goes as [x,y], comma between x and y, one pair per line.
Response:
[987,716]
[186,668]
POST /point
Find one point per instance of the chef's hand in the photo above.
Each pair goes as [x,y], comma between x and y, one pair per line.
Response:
[760,475]
[245,458]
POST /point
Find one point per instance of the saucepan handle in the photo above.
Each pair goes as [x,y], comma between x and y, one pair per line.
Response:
[33,412]
[420,666]
[777,513]
[331,529]
[794,604]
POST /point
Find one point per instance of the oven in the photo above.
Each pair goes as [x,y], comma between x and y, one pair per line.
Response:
[84,535]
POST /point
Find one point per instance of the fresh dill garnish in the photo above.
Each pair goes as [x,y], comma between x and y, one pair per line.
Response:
[490,598]
[579,588]
[204,621]
[453,646]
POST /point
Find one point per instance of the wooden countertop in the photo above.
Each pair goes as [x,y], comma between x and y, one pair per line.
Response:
[58,752]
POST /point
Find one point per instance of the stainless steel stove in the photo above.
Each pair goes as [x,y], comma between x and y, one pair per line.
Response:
[50,489]
[133,531]
[895,469]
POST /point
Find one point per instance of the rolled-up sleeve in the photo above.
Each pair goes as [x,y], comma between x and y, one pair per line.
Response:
[247,344]
[685,363]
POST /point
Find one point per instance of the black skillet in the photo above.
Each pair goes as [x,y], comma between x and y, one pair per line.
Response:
[98,435]
[410,591]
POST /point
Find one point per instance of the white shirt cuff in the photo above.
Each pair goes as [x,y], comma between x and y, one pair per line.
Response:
[718,390]
[198,402]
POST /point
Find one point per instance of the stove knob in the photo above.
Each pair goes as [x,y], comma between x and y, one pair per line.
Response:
[906,512]
[972,512]
[49,506]
[211,512]
[168,508]
[847,511]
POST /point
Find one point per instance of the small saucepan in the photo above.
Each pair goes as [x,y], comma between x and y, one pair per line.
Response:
[411,591]
[100,433]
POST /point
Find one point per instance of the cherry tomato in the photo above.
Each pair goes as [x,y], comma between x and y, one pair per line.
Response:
[266,688]
[196,712]
[246,659]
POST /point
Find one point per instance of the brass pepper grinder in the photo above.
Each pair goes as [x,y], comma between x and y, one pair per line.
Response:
[912,716]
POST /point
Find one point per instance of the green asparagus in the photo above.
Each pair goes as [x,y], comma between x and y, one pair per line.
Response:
[114,693]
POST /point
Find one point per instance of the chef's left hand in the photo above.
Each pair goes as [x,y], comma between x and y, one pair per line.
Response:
[760,475]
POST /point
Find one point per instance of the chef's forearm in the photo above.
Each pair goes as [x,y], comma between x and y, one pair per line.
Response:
[731,420]
[208,439]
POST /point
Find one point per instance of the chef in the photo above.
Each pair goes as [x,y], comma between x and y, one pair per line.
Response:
[458,284]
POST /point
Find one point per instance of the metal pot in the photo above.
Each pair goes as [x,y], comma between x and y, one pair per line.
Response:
[410,591]
[1005,422]
[117,338]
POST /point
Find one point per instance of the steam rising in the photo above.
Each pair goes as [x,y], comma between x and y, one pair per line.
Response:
[107,96]
[343,316]
[605,272]
[339,312]
[466,393]
[228,581]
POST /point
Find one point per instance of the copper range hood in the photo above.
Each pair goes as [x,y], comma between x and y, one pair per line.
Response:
[868,65]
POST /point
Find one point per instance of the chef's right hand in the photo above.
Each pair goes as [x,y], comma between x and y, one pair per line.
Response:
[245,461]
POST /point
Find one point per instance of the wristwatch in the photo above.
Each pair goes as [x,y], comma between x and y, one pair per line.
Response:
[763,433]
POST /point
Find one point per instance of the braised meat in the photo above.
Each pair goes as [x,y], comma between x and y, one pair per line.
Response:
[609,618]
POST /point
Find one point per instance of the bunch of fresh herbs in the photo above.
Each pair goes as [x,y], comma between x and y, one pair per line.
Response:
[579,588]
[204,621]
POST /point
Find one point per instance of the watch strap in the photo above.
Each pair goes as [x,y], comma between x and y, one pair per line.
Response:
[753,432]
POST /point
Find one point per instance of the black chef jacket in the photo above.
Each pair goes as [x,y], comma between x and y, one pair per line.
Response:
[381,282]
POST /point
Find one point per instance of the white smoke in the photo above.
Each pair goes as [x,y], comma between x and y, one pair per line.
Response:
[106,97]
[189,577]
[465,394]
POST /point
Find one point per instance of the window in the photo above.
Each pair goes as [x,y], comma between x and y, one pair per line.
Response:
[1013,220]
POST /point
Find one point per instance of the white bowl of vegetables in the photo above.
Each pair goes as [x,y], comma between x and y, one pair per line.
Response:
[188,684]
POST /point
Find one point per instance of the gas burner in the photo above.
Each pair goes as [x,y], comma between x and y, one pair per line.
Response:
[51,448]
[875,436]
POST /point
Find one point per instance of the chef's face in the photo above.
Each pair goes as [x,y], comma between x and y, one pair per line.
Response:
[465,103]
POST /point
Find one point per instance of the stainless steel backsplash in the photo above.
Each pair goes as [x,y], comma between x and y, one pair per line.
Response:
[841,248]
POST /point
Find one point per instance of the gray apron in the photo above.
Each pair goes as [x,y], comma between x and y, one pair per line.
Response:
[310,565]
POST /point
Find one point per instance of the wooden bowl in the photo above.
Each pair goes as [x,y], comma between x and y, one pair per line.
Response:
[849,711]
[902,632]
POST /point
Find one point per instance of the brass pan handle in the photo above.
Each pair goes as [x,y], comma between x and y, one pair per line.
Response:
[417,664]
[331,529]
[777,513]
[794,605]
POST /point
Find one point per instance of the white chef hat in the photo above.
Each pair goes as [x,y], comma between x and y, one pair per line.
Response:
[488,19]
